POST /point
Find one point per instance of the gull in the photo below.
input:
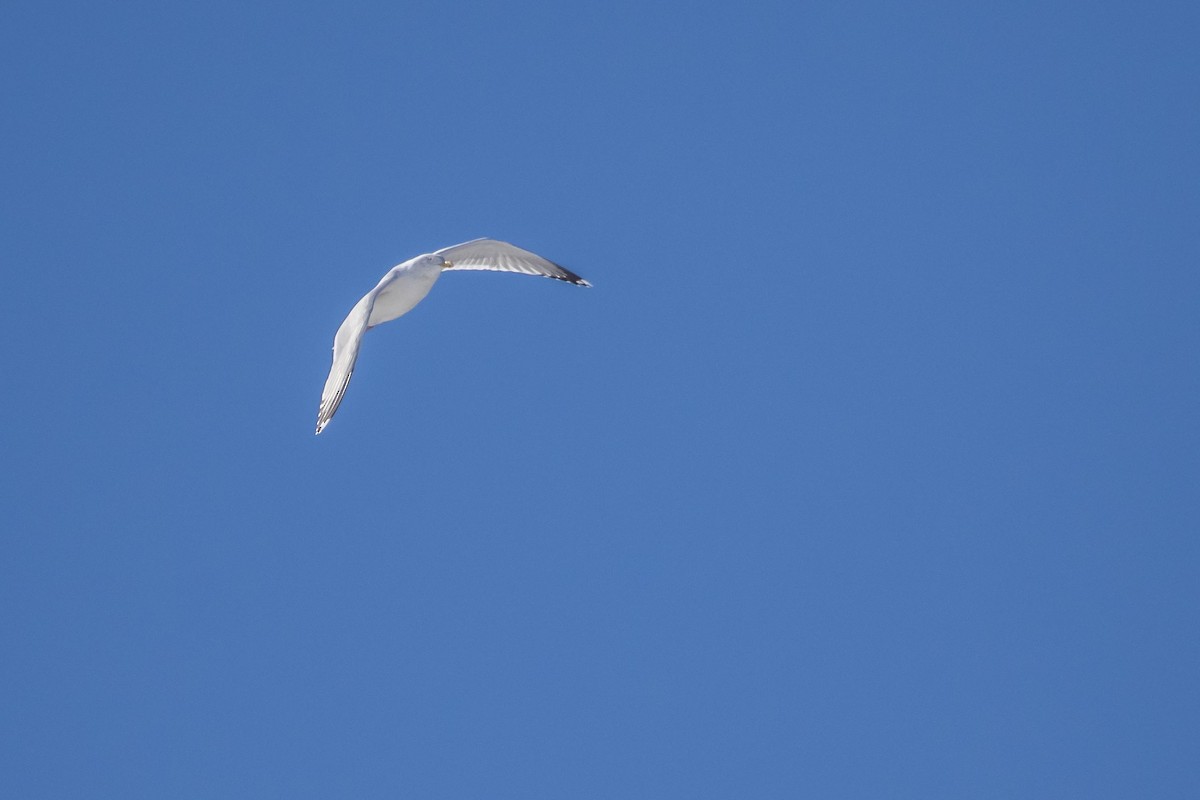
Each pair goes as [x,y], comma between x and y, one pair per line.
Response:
[405,285]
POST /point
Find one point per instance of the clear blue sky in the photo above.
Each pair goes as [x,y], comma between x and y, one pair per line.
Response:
[868,469]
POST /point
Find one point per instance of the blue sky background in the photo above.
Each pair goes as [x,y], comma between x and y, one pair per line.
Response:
[869,467]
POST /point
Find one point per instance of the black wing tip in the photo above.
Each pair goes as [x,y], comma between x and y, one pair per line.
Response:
[326,410]
[569,277]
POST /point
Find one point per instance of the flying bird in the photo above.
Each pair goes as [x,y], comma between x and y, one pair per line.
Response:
[405,285]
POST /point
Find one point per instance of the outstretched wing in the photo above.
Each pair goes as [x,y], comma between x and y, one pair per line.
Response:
[345,353]
[492,254]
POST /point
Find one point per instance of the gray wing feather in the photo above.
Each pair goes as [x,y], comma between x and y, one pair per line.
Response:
[492,254]
[345,352]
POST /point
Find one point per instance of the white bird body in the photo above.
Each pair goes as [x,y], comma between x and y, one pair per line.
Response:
[405,285]
[402,288]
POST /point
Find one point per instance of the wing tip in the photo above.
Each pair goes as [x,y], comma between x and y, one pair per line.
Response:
[570,277]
